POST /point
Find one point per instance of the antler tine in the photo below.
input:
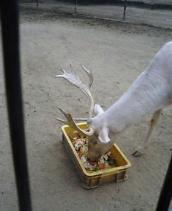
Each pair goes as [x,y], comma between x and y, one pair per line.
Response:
[90,75]
[72,124]
[63,112]
[91,79]
[75,118]
[61,120]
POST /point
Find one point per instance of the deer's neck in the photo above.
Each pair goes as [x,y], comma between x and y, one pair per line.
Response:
[146,95]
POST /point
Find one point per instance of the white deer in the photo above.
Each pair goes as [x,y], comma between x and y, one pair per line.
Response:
[149,94]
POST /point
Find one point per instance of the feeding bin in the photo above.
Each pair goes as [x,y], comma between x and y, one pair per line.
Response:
[92,179]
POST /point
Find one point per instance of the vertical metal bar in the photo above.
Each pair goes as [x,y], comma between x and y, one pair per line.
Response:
[37,3]
[76,4]
[10,38]
[166,191]
[125,7]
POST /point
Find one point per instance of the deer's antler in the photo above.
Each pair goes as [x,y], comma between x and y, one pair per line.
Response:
[74,79]
[71,77]
[90,75]
[73,125]
[74,118]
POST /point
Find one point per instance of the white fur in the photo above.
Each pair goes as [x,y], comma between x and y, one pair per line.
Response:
[151,91]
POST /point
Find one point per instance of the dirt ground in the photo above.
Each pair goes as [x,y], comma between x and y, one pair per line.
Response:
[116,53]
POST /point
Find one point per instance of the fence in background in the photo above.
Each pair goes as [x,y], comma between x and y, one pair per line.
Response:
[155,13]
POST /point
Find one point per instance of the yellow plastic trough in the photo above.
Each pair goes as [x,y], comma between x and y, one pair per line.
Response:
[92,179]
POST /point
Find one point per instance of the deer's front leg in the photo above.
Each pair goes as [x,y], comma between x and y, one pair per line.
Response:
[153,122]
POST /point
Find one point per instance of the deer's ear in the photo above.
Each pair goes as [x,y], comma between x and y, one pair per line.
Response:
[104,135]
[98,109]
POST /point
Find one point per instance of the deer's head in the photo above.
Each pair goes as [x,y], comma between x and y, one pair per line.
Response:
[97,134]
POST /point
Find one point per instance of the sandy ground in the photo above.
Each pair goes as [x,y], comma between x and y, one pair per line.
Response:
[116,53]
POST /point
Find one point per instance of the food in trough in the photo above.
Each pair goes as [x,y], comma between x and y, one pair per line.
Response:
[81,146]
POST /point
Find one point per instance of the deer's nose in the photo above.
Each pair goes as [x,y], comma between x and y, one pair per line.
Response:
[92,157]
[92,160]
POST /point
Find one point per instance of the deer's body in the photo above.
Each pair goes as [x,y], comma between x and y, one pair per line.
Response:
[149,94]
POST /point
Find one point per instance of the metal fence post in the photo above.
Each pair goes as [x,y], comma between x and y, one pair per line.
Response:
[76,4]
[166,191]
[10,38]
[125,7]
